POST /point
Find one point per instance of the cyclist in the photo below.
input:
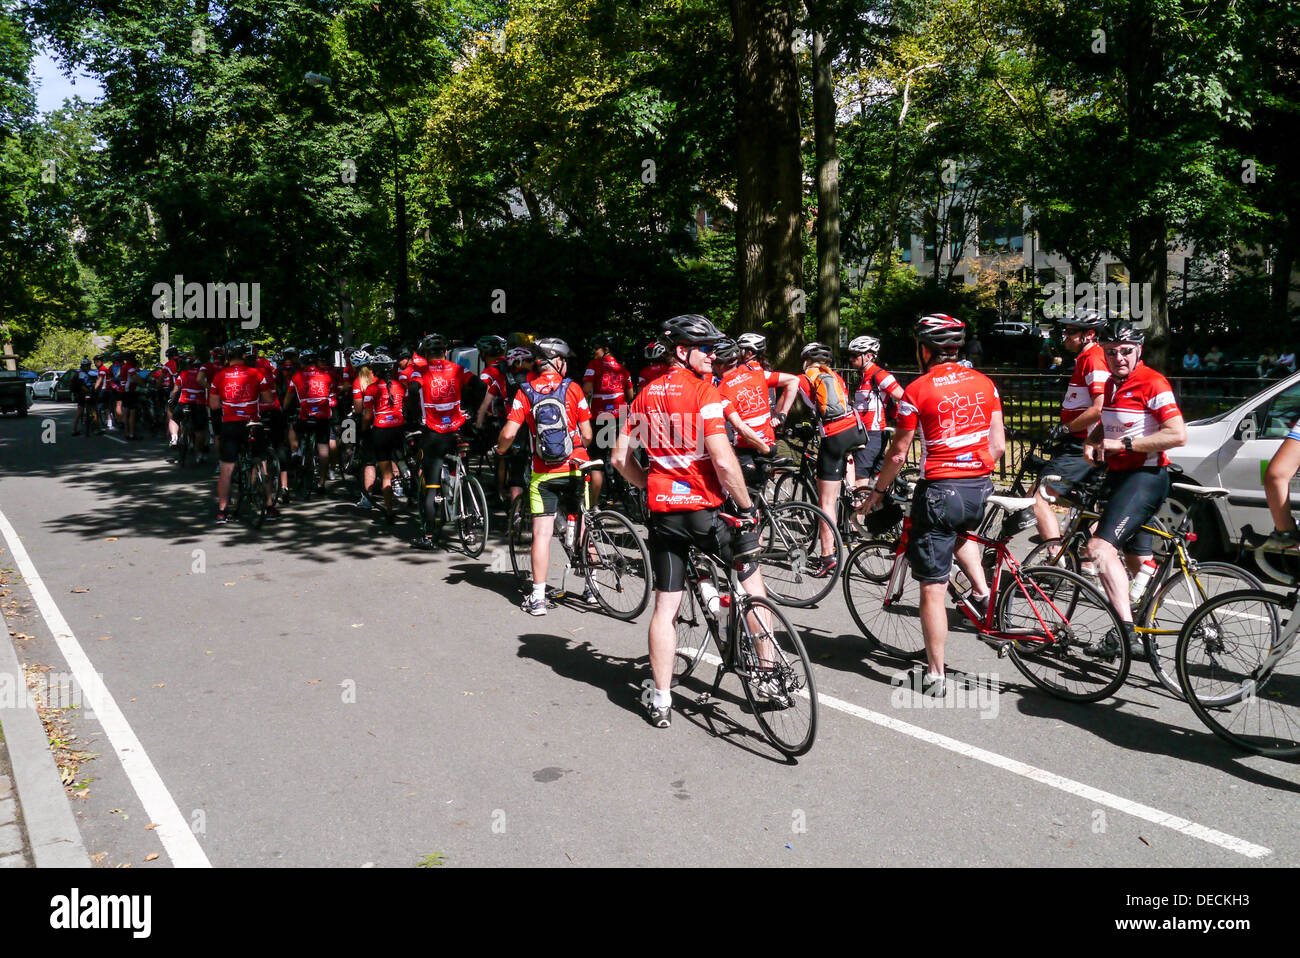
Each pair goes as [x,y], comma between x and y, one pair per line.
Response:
[608,387]
[1139,421]
[959,414]
[188,395]
[841,429]
[237,393]
[1277,490]
[386,422]
[1080,412]
[558,419]
[876,387]
[272,413]
[655,354]
[309,393]
[165,377]
[216,361]
[519,370]
[362,402]
[83,390]
[744,391]
[678,418]
[492,349]
[440,385]
[103,393]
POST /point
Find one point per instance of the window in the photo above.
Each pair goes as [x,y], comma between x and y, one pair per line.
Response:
[1279,413]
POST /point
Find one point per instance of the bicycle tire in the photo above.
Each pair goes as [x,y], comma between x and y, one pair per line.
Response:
[519,531]
[1174,602]
[793,487]
[786,672]
[257,491]
[472,519]
[894,629]
[1076,614]
[694,629]
[239,487]
[1216,656]
[1050,553]
[789,539]
[182,446]
[623,561]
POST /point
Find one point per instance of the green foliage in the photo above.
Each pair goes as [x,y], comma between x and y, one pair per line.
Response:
[136,339]
[59,349]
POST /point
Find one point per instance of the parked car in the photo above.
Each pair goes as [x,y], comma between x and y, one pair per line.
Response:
[1232,450]
[1011,328]
[15,394]
[54,384]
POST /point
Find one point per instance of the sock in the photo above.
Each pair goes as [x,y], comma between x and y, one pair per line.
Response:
[663,698]
[539,591]
[982,599]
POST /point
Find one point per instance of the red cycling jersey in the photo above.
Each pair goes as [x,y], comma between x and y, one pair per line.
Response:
[363,396]
[649,374]
[1136,407]
[609,381]
[575,405]
[494,379]
[191,392]
[441,382]
[239,388]
[869,399]
[386,401]
[831,427]
[314,387]
[953,406]
[163,377]
[267,369]
[746,389]
[672,417]
[210,369]
[1086,382]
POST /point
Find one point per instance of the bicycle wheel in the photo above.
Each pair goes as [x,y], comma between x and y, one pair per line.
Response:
[1181,594]
[776,675]
[239,492]
[471,515]
[791,486]
[1239,663]
[257,489]
[1050,552]
[519,531]
[789,541]
[183,445]
[1059,614]
[617,564]
[894,626]
[694,628]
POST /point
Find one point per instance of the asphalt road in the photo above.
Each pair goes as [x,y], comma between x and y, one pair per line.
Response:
[317,693]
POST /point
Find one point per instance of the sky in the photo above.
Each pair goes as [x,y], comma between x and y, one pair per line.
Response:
[52,87]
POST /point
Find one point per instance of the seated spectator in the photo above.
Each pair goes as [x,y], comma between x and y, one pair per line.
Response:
[1285,362]
[1191,361]
[1213,360]
[1265,363]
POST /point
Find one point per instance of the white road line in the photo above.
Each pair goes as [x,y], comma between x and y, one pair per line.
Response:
[173,830]
[114,438]
[1096,795]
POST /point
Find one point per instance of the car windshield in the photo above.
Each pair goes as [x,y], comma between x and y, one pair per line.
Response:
[1251,403]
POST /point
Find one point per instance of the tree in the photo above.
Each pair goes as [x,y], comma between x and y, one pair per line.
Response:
[60,349]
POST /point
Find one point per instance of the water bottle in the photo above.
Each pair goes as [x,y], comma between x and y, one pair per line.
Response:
[570,532]
[712,599]
[1140,580]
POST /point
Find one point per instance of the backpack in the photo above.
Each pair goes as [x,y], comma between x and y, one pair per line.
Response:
[554,443]
[828,396]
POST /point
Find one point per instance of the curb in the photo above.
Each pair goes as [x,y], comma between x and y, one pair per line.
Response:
[52,831]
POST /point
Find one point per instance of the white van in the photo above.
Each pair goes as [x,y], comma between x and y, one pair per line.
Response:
[1232,450]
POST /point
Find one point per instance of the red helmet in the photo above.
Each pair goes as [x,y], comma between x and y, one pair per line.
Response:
[941,331]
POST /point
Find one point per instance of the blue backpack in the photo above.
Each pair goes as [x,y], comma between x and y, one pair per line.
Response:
[554,443]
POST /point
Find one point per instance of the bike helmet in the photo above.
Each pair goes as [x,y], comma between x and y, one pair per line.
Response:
[689,329]
[726,352]
[307,356]
[602,341]
[1083,319]
[941,332]
[864,344]
[756,343]
[290,353]
[491,345]
[381,364]
[1122,331]
[816,353]
[360,358]
[85,364]
[549,349]
[433,343]
[172,352]
[218,353]
[236,349]
[654,351]
[518,355]
[406,352]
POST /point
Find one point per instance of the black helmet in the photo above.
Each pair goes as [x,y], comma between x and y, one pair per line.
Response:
[1122,331]
[602,341]
[406,352]
[941,332]
[381,364]
[726,351]
[491,345]
[307,356]
[550,349]
[172,351]
[236,349]
[290,353]
[816,352]
[85,364]
[689,328]
[433,343]
[1083,319]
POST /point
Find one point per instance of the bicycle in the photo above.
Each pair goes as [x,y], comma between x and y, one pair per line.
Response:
[1236,659]
[251,483]
[609,555]
[1178,585]
[757,643]
[789,536]
[185,439]
[1043,619]
[463,500]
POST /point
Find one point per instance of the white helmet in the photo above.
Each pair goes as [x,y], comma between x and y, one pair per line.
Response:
[864,344]
[519,354]
[754,342]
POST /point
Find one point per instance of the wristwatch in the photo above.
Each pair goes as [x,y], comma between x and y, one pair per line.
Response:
[1128,444]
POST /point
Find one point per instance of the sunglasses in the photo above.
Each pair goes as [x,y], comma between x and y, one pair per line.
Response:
[706,348]
[1120,350]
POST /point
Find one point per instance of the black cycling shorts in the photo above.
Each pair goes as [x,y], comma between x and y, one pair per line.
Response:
[435,446]
[754,467]
[130,399]
[671,536]
[313,431]
[386,442]
[1071,466]
[517,467]
[546,492]
[832,456]
[604,433]
[1132,497]
[234,436]
[214,418]
[867,460]
[277,432]
[941,510]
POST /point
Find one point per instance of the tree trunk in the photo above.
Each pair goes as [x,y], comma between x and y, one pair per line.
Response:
[828,196]
[769,173]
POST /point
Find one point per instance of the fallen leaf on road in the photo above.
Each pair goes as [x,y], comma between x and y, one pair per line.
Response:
[118,811]
[151,856]
[80,590]
[104,638]
[136,618]
[208,652]
[98,857]
[357,625]
[158,686]
[227,583]
[313,681]
[151,826]
[1144,841]
[111,539]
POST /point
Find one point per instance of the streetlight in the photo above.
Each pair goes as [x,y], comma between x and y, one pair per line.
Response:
[401,283]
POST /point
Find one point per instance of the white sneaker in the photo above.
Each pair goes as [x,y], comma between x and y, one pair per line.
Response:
[533,605]
[365,503]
